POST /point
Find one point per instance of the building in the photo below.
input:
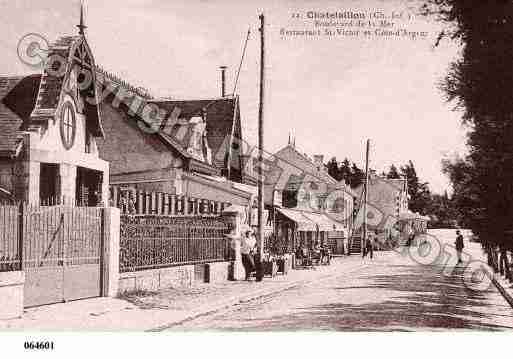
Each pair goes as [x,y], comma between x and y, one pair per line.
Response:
[49,127]
[308,204]
[387,201]
[186,147]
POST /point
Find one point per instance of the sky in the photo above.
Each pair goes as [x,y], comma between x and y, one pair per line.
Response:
[331,93]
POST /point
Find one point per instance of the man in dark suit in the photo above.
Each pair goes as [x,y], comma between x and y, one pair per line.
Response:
[459,245]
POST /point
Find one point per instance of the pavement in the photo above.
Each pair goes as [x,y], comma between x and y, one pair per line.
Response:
[392,292]
[154,311]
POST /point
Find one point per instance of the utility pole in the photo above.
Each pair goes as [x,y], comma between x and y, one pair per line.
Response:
[365,189]
[261,143]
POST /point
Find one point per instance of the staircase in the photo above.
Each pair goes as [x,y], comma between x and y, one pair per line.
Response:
[356,244]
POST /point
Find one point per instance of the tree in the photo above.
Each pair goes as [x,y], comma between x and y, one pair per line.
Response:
[465,197]
[393,173]
[357,176]
[418,191]
[480,83]
[333,169]
[345,169]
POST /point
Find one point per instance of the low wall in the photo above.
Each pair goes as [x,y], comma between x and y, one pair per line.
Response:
[173,277]
[218,271]
[11,294]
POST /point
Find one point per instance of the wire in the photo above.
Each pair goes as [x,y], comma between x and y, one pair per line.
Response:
[240,65]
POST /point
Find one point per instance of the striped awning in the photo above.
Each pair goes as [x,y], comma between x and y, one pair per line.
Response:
[302,222]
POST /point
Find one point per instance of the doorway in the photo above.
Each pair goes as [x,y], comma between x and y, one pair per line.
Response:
[89,187]
[48,178]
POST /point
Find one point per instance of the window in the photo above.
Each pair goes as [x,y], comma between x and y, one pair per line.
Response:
[68,125]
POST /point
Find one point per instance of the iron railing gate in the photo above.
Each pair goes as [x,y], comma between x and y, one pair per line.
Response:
[61,253]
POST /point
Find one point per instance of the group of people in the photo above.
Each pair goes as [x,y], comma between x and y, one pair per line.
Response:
[318,251]
[368,245]
[251,260]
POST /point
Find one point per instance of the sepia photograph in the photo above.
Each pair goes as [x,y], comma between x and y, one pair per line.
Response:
[308,169]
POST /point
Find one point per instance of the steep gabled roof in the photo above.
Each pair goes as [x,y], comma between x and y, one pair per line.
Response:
[397,184]
[73,50]
[18,96]
[27,101]
[220,117]
[135,97]
[305,164]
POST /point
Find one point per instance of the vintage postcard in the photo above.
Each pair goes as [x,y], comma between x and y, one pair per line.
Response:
[255,166]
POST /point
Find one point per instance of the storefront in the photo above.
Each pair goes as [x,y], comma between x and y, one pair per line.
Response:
[296,228]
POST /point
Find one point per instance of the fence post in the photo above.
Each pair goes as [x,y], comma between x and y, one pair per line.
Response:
[115,196]
[21,217]
[110,265]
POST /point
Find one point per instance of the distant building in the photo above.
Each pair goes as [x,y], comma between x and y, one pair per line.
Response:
[307,200]
[387,200]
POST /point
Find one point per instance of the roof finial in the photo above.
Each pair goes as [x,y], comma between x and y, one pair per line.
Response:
[81,26]
[289,139]
[294,143]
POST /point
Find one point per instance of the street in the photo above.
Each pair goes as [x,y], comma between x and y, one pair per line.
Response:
[389,293]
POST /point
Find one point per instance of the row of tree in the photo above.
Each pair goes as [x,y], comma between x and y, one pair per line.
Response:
[480,85]
[438,207]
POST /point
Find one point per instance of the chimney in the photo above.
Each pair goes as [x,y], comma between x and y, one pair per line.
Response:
[318,160]
[223,80]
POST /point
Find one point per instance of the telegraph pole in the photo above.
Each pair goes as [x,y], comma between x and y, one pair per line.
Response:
[261,143]
[365,189]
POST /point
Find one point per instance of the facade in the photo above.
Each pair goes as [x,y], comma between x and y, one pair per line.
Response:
[49,127]
[387,200]
[308,204]
[190,151]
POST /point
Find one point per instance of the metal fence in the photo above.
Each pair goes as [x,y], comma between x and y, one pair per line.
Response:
[47,235]
[132,201]
[149,241]
[9,238]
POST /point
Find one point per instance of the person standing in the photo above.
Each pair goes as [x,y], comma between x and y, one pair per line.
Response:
[247,248]
[459,245]
[370,245]
[364,247]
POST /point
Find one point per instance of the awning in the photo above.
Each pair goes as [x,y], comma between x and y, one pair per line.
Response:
[302,222]
[235,208]
[336,226]
[412,216]
[324,223]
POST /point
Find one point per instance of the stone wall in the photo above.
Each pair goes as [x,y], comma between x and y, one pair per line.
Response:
[218,272]
[11,294]
[173,277]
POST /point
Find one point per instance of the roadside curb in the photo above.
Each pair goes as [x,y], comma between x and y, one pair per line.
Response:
[500,288]
[244,299]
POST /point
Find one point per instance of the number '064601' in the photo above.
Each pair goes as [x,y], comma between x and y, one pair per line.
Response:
[39,345]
